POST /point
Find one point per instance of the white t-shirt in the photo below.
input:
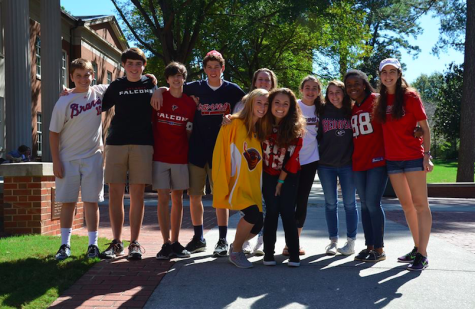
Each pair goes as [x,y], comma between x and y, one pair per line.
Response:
[77,118]
[309,151]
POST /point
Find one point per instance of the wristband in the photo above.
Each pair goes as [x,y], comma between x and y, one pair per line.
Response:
[280,181]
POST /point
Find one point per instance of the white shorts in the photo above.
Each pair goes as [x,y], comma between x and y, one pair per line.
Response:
[87,174]
[170,176]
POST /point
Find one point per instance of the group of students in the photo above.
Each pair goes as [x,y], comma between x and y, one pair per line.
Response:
[263,145]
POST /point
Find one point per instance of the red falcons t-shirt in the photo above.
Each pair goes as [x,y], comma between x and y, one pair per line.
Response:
[280,158]
[368,143]
[400,143]
[169,129]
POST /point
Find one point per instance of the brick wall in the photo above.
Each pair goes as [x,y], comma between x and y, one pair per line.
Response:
[27,206]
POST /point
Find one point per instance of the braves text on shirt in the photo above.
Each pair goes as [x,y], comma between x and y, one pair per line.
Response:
[77,109]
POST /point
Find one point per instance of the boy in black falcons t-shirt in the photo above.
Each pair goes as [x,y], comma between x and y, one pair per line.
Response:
[129,149]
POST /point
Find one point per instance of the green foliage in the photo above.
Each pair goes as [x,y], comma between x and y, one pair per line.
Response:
[453,22]
[447,113]
[429,87]
[30,277]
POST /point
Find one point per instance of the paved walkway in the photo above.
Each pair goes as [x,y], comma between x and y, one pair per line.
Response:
[321,282]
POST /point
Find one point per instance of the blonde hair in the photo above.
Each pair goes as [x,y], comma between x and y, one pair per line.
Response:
[247,115]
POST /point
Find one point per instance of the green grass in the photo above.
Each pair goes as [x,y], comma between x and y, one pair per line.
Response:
[30,277]
[444,171]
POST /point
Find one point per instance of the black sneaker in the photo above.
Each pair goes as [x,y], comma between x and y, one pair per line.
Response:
[221,248]
[196,245]
[179,251]
[420,263]
[166,252]
[362,255]
[63,253]
[374,256]
[92,252]
[135,251]
[115,248]
[408,258]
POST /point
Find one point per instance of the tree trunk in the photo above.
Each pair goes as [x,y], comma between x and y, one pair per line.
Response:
[467,130]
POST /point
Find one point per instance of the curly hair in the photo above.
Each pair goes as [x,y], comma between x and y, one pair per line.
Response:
[292,125]
[381,104]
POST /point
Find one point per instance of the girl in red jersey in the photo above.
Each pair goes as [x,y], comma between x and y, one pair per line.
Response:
[281,150]
[399,108]
[369,166]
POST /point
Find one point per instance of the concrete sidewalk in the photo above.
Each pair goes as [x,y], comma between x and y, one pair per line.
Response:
[335,282]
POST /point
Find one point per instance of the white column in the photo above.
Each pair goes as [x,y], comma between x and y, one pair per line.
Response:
[15,15]
[50,66]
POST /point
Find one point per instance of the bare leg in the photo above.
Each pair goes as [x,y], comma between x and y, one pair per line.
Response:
[401,187]
[67,215]
[243,232]
[136,210]
[177,213]
[92,216]
[164,214]
[418,185]
[222,216]
[116,208]
[196,209]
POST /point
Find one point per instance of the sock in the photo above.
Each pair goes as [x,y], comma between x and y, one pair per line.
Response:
[93,238]
[66,236]
[223,231]
[198,231]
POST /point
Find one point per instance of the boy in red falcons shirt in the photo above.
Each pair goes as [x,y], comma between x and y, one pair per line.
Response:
[171,129]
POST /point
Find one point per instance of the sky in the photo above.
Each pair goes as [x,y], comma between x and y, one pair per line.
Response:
[425,63]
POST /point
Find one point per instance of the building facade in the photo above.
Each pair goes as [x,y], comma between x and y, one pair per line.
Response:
[29,60]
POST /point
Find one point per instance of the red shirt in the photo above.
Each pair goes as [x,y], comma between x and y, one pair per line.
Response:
[277,159]
[368,143]
[169,129]
[400,143]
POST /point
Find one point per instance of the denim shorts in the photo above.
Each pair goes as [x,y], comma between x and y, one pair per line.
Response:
[397,167]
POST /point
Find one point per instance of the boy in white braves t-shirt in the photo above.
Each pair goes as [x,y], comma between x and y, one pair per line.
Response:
[76,148]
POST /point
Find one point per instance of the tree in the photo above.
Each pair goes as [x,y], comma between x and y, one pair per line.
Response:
[447,113]
[453,19]
[465,171]
[429,87]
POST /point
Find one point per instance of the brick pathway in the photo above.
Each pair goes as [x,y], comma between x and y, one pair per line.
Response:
[124,284]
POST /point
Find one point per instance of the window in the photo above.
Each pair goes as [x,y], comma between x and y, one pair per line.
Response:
[38,56]
[64,70]
[39,134]
[109,77]
[94,68]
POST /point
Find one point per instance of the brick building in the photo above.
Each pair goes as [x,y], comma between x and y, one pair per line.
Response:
[37,42]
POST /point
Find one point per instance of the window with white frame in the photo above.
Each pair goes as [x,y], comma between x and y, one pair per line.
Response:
[39,134]
[109,77]
[64,69]
[38,56]
[94,68]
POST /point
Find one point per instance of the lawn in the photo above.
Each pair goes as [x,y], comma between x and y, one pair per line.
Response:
[444,171]
[30,277]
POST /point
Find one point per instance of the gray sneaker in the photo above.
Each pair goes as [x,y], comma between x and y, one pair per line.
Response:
[239,259]
[63,253]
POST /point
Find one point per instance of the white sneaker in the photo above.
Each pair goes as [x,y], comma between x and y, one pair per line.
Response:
[331,248]
[348,248]
[258,248]
[246,247]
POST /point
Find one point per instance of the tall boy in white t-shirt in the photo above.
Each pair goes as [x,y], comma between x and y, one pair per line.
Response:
[76,148]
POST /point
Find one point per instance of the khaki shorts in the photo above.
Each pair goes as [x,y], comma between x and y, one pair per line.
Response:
[135,159]
[198,179]
[170,176]
[86,174]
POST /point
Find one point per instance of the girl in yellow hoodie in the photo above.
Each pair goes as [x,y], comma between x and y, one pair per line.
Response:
[237,171]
